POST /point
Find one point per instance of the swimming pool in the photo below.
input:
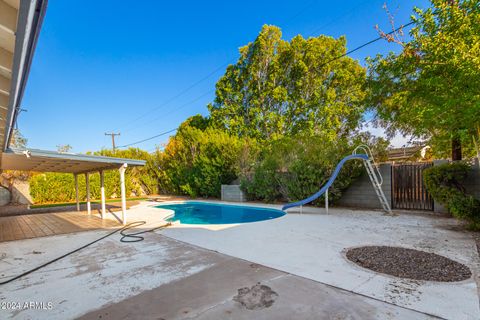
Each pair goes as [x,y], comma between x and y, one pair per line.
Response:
[216,213]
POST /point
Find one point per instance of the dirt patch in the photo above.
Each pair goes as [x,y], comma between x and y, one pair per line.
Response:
[409,263]
[257,297]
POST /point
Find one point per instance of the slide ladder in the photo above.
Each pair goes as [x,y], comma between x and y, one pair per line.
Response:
[373,173]
[375,177]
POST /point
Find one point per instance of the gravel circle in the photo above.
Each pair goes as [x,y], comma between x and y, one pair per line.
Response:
[409,263]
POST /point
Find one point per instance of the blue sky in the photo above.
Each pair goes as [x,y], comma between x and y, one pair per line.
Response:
[141,68]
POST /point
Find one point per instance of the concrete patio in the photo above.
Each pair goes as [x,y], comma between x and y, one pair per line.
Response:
[176,273]
[312,245]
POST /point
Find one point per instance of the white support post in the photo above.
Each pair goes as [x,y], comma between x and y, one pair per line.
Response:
[122,189]
[76,191]
[87,183]
[102,193]
[326,201]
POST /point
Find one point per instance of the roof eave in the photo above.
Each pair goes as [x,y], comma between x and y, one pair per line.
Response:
[30,18]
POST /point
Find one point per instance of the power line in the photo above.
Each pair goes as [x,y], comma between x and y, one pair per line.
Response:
[330,61]
[193,85]
[368,43]
[174,110]
[147,139]
[198,98]
[292,18]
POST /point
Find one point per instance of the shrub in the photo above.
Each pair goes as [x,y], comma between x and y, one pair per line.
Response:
[143,179]
[293,168]
[197,162]
[60,187]
[446,185]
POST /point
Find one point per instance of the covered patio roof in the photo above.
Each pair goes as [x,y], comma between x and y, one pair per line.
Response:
[51,161]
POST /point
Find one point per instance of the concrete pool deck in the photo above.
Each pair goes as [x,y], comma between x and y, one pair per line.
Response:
[312,245]
[175,273]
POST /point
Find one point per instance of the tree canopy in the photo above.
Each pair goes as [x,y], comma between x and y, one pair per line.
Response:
[431,88]
[279,88]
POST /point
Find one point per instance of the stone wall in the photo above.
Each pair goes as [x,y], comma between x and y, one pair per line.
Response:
[361,193]
[5,196]
[19,194]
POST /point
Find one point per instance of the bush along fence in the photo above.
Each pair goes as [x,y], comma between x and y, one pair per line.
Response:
[291,169]
[448,185]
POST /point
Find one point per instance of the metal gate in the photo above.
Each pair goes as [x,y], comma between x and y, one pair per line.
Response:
[408,189]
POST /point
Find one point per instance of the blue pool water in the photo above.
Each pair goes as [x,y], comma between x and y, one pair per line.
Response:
[213,213]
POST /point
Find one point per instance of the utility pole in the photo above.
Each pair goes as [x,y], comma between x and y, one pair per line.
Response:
[113,139]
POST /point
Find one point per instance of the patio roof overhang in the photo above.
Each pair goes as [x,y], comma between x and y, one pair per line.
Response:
[51,161]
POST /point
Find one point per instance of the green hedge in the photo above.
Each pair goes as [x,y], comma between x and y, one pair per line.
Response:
[446,185]
[292,169]
[196,162]
[60,187]
[142,178]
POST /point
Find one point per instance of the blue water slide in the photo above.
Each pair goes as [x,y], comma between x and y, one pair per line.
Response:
[328,184]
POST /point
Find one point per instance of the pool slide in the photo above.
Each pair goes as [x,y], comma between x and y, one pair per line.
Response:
[375,178]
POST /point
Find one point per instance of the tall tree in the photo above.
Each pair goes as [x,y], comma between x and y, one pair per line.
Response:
[431,88]
[281,88]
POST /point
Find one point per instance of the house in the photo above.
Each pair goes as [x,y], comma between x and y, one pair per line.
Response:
[413,153]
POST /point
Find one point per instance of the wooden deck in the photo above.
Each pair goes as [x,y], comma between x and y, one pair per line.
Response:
[28,226]
[47,224]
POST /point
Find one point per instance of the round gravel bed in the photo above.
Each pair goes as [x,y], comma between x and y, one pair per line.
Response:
[409,263]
